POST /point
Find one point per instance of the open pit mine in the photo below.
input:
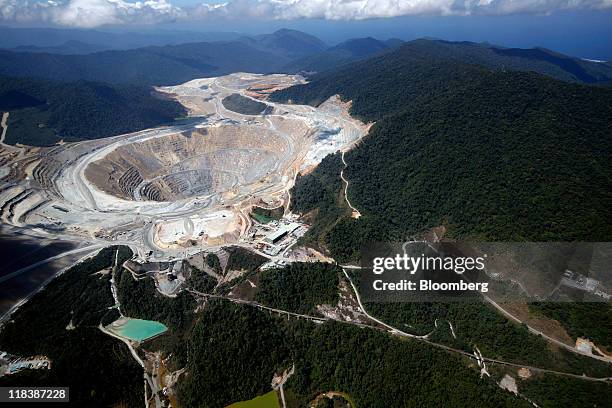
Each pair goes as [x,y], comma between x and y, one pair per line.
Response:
[172,191]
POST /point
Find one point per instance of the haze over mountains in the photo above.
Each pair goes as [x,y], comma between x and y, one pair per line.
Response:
[285,50]
[343,53]
[288,43]
[43,38]
[282,51]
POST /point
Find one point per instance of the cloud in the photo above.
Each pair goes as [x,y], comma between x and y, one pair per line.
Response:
[89,13]
[93,13]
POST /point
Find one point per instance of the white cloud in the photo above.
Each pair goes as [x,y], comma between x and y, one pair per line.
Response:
[89,13]
[92,13]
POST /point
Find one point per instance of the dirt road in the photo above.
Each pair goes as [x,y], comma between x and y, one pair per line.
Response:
[356,213]
[4,125]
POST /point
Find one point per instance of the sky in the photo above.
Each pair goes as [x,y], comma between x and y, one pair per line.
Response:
[577,27]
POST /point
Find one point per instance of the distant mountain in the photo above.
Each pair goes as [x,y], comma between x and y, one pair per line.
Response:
[39,37]
[161,65]
[282,51]
[394,42]
[44,112]
[68,48]
[539,60]
[289,43]
[491,154]
[149,66]
[578,69]
[361,47]
[343,53]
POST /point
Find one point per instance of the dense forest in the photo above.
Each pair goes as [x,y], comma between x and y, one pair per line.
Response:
[140,299]
[491,155]
[200,280]
[479,325]
[98,369]
[319,197]
[540,60]
[241,259]
[232,351]
[235,350]
[592,320]
[45,112]
[299,287]
[553,392]
[213,262]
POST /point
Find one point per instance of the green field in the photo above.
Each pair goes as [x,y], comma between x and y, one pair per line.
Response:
[264,215]
[261,218]
[269,400]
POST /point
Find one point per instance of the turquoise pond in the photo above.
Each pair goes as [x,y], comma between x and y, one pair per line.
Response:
[140,330]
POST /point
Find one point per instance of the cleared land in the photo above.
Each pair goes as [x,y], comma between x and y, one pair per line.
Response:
[178,188]
[193,163]
[269,400]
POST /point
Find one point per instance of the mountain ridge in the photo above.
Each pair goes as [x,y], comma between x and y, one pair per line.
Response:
[346,52]
[285,50]
[490,154]
[290,43]
[43,112]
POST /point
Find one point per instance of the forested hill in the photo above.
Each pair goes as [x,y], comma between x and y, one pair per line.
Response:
[289,43]
[490,154]
[283,51]
[167,65]
[538,60]
[343,53]
[45,112]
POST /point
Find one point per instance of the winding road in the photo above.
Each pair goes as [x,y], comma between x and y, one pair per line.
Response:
[545,336]
[4,126]
[356,213]
[398,332]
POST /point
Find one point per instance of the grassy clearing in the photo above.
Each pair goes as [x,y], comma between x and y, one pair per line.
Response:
[264,215]
[269,400]
[261,218]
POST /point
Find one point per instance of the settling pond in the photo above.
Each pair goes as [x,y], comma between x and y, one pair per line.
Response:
[136,329]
